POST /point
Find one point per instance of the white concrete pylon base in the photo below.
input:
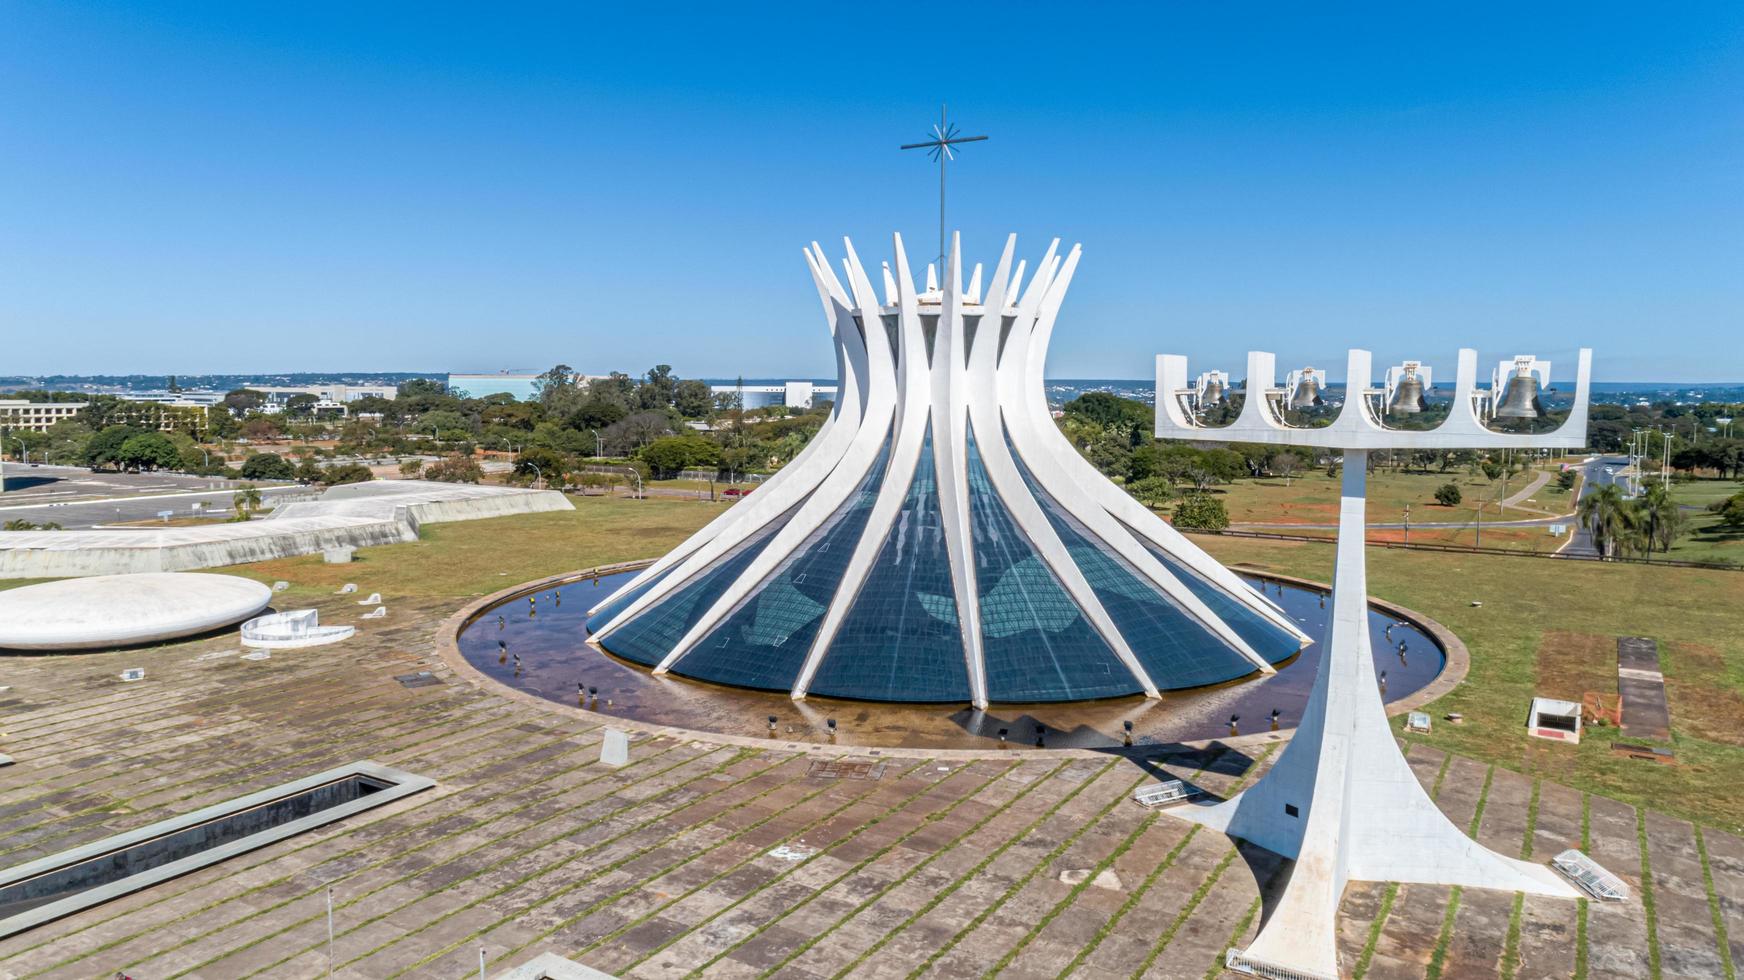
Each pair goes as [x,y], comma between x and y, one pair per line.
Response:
[1341,800]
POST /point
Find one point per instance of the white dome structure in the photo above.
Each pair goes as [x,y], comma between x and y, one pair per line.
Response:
[939,540]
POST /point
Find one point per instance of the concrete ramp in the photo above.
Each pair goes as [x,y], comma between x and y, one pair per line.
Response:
[355,515]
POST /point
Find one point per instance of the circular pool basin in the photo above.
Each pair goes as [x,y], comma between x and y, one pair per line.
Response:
[541,648]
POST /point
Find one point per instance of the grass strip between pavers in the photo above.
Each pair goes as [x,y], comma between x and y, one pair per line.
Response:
[361,898]
[1580,905]
[1217,964]
[1647,894]
[196,772]
[1025,879]
[1078,889]
[1167,862]
[1186,912]
[1510,964]
[626,859]
[926,821]
[1720,936]
[892,809]
[602,871]
[1368,951]
[948,890]
[317,839]
[912,871]
[1438,958]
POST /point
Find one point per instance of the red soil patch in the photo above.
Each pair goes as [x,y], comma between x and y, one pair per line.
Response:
[1703,700]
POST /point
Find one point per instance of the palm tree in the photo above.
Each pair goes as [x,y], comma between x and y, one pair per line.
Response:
[246,500]
[1605,513]
[1658,517]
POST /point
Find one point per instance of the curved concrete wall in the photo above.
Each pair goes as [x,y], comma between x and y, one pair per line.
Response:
[356,518]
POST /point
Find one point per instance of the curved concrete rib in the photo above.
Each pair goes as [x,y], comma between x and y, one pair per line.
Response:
[1057,453]
[770,488]
[770,502]
[1020,390]
[1008,483]
[950,462]
[913,391]
[843,480]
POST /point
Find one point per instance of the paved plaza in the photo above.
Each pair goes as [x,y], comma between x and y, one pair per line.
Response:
[701,858]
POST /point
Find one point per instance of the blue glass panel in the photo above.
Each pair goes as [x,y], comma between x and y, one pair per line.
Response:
[1266,638]
[649,637]
[900,640]
[1035,641]
[1173,647]
[763,642]
[620,601]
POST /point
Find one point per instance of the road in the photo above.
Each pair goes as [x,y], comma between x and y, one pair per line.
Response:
[1600,471]
[74,497]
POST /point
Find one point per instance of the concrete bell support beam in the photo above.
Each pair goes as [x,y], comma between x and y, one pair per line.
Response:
[1341,800]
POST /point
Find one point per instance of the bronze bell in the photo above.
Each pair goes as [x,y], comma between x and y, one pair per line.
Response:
[1408,397]
[1520,398]
[1213,394]
[1307,393]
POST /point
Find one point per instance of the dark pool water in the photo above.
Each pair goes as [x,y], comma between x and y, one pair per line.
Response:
[549,636]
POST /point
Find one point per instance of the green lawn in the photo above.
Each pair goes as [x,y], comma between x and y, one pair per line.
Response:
[1312,498]
[1573,611]
[469,558]
[1694,614]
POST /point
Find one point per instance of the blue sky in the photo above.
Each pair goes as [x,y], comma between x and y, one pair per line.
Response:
[231,187]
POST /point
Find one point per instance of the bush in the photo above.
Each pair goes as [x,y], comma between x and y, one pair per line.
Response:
[454,469]
[1565,479]
[1152,491]
[1448,495]
[1201,512]
[267,466]
[349,473]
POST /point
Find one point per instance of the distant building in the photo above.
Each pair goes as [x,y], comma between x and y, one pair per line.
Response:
[337,394]
[16,413]
[793,394]
[522,386]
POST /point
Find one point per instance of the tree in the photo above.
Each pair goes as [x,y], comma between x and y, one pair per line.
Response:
[149,451]
[693,399]
[267,466]
[421,388]
[559,390]
[454,469]
[241,401]
[635,431]
[537,462]
[301,405]
[1565,479]
[1111,411]
[1657,520]
[1201,512]
[104,448]
[667,456]
[1605,514]
[258,429]
[658,390]
[1284,464]
[332,476]
[246,500]
[1730,510]
[412,469]
[1448,495]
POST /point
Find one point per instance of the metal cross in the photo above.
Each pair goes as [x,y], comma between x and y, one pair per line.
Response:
[939,148]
